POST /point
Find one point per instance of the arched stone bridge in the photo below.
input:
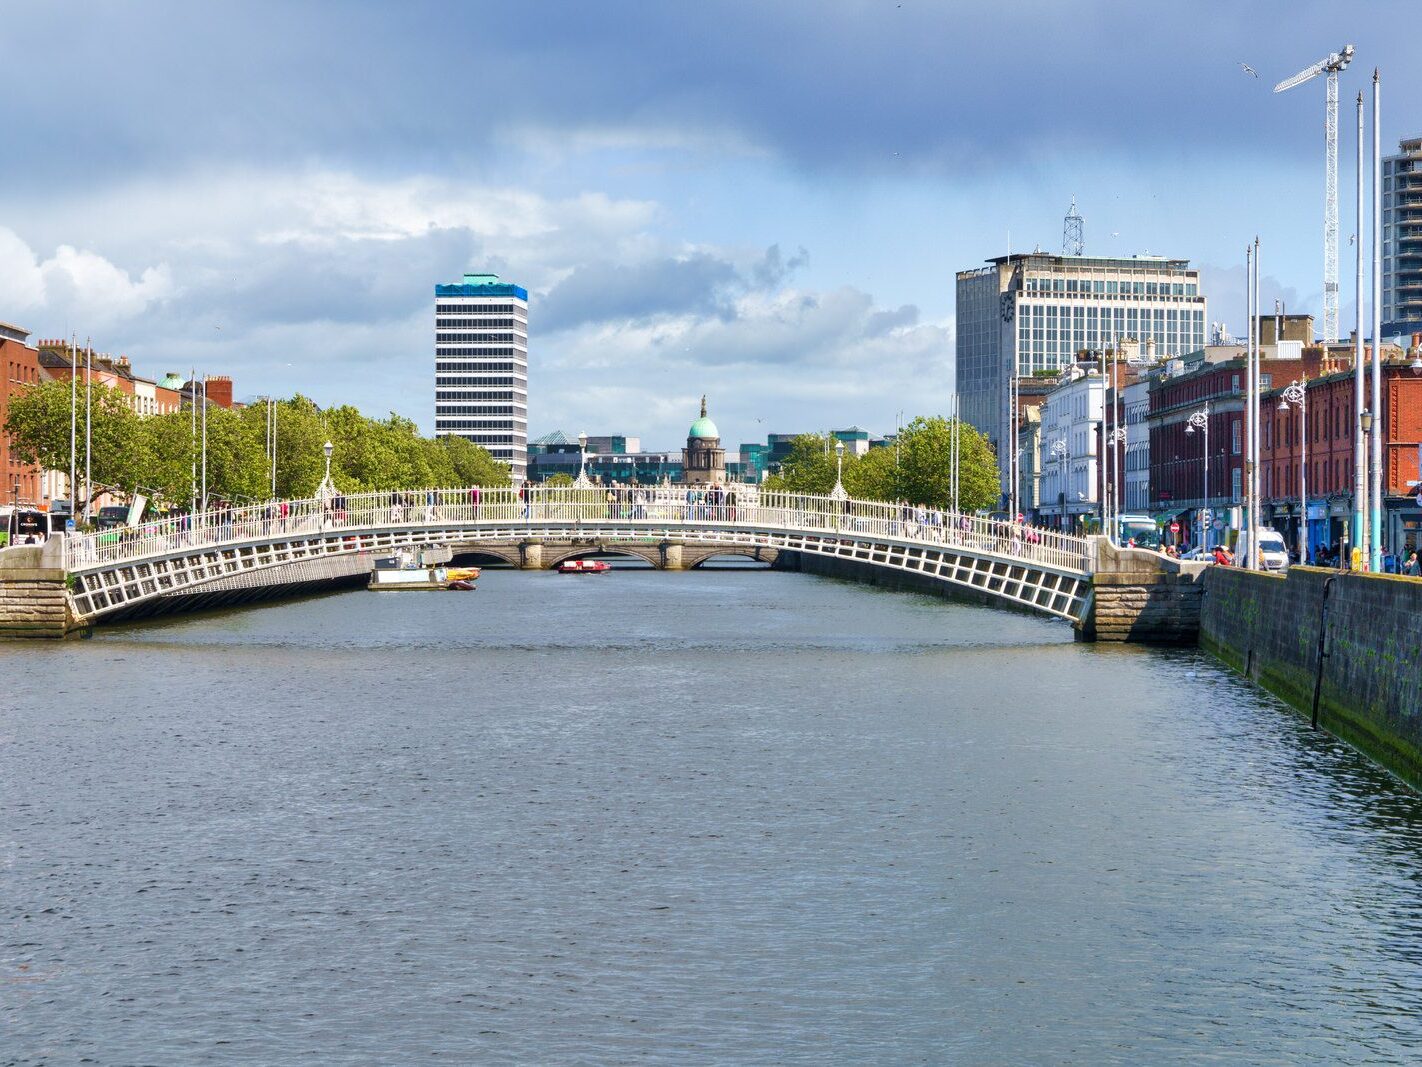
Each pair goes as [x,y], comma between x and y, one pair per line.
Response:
[247,553]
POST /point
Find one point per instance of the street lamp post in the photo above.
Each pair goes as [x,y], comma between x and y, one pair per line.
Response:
[1060,450]
[838,493]
[328,488]
[1296,395]
[582,482]
[1200,420]
[1115,440]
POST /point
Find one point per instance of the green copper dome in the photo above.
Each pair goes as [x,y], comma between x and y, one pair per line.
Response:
[704,427]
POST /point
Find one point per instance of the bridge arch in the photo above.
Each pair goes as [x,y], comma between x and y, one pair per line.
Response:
[1046,572]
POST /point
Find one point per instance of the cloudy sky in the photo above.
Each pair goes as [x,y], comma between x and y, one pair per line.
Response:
[763,202]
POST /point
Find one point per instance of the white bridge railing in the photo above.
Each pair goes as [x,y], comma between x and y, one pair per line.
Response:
[653,507]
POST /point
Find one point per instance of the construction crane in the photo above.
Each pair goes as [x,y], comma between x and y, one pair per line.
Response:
[1331,65]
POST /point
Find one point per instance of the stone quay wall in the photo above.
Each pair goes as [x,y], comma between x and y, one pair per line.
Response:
[1367,683]
[34,594]
[1142,596]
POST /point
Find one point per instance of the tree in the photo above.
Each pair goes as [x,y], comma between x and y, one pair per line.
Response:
[559,479]
[919,471]
[809,467]
[925,465]
[38,426]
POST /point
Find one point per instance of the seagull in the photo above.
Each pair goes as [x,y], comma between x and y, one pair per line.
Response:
[1249,70]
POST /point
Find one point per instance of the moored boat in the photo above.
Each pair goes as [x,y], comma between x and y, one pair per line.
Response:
[584,566]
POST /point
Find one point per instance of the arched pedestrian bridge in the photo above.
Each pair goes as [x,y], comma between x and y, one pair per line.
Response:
[245,553]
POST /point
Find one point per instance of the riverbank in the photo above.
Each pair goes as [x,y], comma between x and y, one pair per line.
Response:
[1341,648]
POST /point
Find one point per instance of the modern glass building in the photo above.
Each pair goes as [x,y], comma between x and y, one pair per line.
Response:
[1033,313]
[1402,240]
[481,366]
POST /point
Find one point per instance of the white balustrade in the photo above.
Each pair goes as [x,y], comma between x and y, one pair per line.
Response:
[661,507]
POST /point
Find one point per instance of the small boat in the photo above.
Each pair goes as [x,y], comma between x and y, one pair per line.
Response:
[584,566]
[462,584]
[462,574]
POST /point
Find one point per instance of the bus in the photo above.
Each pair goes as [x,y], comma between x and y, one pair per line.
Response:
[1138,529]
[25,525]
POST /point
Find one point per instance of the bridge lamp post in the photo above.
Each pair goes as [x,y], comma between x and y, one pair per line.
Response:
[1296,395]
[582,482]
[1059,449]
[327,488]
[1200,420]
[1113,488]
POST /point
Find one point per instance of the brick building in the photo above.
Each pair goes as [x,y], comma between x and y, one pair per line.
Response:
[1178,463]
[20,366]
[1332,425]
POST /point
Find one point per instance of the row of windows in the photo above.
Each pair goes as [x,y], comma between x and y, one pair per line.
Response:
[479,309]
[481,351]
[472,394]
[471,431]
[480,381]
[481,337]
[481,409]
[1086,287]
[480,321]
[469,364]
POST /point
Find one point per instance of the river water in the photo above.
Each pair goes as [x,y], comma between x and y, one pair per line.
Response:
[717,817]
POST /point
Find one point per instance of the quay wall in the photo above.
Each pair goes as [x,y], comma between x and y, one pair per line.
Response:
[1367,682]
[34,592]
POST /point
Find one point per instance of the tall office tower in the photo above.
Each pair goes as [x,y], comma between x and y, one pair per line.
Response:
[481,366]
[1402,240]
[1034,313]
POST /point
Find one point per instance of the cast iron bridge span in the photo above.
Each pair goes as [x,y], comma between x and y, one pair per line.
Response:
[117,574]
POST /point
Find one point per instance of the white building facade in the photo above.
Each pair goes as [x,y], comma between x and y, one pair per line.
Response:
[1070,439]
[1029,313]
[481,366]
[1135,492]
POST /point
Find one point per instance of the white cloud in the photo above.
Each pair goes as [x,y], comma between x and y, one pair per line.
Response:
[76,284]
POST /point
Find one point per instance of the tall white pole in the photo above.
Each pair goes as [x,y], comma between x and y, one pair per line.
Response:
[275,410]
[204,445]
[1375,527]
[88,424]
[1250,407]
[1360,456]
[73,425]
[1303,474]
[192,449]
[1255,508]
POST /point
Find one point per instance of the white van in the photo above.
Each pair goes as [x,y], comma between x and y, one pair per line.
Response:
[1273,552]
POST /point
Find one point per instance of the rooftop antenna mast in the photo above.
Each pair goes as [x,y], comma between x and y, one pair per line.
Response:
[1331,65]
[1072,241]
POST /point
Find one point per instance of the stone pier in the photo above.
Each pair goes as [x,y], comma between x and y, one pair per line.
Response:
[1142,596]
[34,594]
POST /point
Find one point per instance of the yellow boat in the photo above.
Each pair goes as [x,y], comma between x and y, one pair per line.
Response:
[462,574]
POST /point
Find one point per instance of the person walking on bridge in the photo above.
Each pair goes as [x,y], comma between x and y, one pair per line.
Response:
[474,501]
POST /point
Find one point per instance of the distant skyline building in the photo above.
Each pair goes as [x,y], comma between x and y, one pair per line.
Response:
[481,366]
[1402,239]
[1031,313]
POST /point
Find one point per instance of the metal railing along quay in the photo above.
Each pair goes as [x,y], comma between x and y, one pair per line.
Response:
[689,508]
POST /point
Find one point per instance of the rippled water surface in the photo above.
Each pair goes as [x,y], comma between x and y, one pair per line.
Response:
[716,817]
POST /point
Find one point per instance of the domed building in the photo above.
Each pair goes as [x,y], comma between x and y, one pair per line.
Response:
[703,459]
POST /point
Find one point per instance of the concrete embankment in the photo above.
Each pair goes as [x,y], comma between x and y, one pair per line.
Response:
[1348,644]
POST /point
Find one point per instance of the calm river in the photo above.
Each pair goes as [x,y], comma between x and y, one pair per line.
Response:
[716,817]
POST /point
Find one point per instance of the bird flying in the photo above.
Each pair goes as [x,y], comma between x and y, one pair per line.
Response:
[1249,70]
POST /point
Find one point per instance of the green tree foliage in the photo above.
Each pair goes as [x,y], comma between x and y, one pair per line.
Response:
[38,424]
[158,452]
[919,471]
[559,480]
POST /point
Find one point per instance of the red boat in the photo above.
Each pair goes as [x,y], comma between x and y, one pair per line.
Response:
[583,566]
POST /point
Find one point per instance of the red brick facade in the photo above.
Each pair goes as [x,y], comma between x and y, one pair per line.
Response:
[20,366]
